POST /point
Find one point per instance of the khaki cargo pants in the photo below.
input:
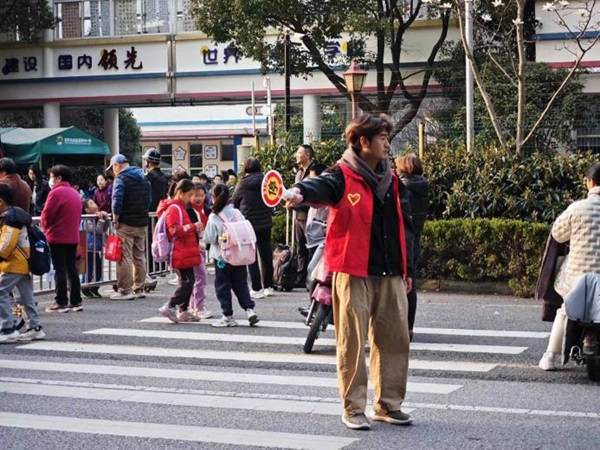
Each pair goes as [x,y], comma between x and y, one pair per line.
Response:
[376,306]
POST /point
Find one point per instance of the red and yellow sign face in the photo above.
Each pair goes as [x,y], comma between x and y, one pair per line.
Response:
[272,188]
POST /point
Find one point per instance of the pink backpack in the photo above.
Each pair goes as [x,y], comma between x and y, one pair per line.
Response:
[237,241]
[162,248]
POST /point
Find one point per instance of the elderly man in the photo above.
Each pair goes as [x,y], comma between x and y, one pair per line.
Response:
[130,203]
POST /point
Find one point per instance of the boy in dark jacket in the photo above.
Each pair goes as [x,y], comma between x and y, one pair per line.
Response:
[14,270]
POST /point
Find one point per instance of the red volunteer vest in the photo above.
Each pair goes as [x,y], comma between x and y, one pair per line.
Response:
[348,241]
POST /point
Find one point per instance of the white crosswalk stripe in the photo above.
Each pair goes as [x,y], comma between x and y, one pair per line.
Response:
[227,388]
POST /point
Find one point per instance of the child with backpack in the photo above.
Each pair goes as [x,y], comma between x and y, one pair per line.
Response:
[95,231]
[15,252]
[228,277]
[185,254]
[199,213]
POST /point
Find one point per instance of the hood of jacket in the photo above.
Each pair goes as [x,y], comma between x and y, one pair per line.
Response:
[164,204]
[133,172]
[15,216]
[415,183]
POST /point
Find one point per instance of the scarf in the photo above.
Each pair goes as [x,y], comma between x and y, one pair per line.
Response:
[379,180]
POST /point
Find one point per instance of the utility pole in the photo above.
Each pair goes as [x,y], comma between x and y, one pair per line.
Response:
[287,74]
[470,131]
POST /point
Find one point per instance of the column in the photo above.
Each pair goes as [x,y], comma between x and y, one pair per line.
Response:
[311,114]
[52,115]
[111,129]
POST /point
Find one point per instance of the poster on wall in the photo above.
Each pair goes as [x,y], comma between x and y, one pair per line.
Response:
[211,170]
[179,154]
[210,152]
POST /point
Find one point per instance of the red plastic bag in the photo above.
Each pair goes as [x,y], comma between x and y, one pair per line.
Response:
[113,251]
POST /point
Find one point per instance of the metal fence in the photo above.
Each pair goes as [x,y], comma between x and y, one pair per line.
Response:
[45,284]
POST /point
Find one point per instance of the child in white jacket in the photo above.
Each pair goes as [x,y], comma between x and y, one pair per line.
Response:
[227,277]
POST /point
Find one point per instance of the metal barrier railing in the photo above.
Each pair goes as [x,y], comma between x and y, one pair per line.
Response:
[90,256]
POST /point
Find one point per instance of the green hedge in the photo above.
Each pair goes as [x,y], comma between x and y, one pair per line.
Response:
[476,250]
[484,250]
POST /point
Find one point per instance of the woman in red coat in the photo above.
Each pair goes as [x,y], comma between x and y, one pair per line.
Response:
[186,254]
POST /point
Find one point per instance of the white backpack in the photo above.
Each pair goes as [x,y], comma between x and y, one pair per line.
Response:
[237,241]
[162,248]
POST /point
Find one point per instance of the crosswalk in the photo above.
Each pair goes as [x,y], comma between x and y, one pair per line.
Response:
[244,386]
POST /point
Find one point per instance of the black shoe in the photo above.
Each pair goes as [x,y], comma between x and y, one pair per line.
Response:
[87,293]
[304,310]
[96,292]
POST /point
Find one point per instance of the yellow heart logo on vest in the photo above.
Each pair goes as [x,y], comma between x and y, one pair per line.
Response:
[354,199]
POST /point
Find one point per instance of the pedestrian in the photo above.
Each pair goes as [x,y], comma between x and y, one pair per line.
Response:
[89,190]
[95,231]
[367,250]
[227,277]
[39,189]
[304,156]
[14,270]
[579,225]
[248,199]
[199,212]
[103,195]
[60,220]
[21,190]
[186,253]
[130,202]
[157,178]
[217,179]
[316,226]
[410,171]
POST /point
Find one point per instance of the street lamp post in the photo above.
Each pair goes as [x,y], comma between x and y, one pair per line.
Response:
[355,80]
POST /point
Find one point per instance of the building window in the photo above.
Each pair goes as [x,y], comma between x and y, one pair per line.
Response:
[166,157]
[195,158]
[227,151]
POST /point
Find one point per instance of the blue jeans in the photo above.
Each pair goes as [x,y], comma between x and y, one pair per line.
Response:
[232,278]
[8,281]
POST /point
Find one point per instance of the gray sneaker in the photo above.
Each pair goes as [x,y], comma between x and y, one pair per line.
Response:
[252,317]
[395,417]
[224,321]
[169,313]
[356,422]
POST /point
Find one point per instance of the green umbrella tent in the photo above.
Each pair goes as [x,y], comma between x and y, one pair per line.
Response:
[30,145]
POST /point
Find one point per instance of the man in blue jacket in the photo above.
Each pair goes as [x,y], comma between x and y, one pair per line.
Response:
[130,203]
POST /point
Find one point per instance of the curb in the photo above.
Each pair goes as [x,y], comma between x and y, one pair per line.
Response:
[484,287]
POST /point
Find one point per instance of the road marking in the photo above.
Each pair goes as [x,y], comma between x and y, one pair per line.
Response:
[442,331]
[281,340]
[198,375]
[72,347]
[174,432]
[492,409]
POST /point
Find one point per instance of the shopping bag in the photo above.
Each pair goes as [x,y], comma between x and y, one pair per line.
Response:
[113,251]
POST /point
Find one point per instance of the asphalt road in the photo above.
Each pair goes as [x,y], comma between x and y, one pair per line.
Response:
[114,377]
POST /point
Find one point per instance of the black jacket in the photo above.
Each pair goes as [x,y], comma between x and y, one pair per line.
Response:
[158,182]
[41,194]
[417,187]
[545,286]
[385,251]
[248,199]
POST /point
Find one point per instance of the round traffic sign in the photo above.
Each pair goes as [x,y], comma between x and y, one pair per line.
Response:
[272,188]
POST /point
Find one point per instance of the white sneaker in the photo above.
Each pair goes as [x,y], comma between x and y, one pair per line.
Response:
[33,334]
[121,296]
[13,336]
[225,321]
[252,317]
[204,313]
[174,281]
[169,313]
[269,292]
[550,361]
[257,294]
[187,316]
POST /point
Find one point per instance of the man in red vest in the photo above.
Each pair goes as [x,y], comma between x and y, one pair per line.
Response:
[368,250]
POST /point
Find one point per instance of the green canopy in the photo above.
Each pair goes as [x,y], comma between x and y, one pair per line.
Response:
[28,145]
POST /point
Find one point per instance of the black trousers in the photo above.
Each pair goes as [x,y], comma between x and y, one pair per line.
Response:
[64,261]
[412,295]
[303,254]
[264,256]
[181,296]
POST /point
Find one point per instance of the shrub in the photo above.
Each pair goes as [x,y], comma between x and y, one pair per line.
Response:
[493,182]
[484,250]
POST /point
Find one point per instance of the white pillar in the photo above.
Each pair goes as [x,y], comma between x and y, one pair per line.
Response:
[311,114]
[52,115]
[111,129]
[47,53]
